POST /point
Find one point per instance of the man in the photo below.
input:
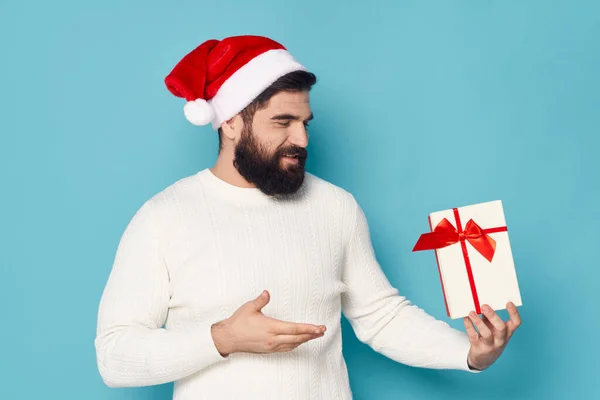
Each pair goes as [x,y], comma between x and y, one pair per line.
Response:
[231,282]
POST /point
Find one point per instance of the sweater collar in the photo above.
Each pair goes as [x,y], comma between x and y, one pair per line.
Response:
[232,193]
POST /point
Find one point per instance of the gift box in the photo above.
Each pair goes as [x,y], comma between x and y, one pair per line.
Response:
[474,258]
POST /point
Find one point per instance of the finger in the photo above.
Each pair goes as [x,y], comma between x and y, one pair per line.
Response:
[261,301]
[286,348]
[471,331]
[498,326]
[484,331]
[487,323]
[514,318]
[292,328]
[296,340]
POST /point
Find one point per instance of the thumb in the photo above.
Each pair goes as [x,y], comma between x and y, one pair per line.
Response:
[261,301]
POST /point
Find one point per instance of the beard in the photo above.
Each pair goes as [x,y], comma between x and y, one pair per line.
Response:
[265,170]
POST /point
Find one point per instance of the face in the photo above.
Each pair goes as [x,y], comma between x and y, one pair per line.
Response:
[271,153]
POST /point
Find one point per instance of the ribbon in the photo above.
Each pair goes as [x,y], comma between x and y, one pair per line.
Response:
[445,234]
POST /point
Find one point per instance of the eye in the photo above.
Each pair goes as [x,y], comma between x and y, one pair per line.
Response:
[306,124]
[284,124]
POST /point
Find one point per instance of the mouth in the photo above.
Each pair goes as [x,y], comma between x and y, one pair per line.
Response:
[291,157]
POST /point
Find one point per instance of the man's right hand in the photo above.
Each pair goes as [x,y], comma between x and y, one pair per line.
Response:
[249,330]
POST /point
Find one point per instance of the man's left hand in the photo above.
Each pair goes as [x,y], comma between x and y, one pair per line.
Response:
[493,335]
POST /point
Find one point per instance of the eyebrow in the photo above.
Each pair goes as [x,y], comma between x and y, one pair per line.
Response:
[289,117]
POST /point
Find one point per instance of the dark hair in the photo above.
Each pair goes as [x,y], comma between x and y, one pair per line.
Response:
[296,81]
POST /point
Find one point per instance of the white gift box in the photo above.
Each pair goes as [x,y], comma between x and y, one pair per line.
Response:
[474,258]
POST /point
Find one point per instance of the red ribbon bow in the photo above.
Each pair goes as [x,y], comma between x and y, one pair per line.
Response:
[445,234]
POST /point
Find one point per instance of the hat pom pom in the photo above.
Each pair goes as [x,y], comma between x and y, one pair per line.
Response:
[199,112]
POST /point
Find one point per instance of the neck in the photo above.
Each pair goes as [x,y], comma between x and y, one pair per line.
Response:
[225,170]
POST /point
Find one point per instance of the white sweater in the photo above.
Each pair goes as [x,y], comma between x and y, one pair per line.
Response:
[199,249]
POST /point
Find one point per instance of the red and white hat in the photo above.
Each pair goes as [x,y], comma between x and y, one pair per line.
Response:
[220,78]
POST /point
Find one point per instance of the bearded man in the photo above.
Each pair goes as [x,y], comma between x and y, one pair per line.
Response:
[232,282]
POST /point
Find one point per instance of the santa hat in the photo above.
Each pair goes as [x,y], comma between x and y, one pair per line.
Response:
[220,78]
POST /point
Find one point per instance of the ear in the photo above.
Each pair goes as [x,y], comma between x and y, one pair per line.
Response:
[232,128]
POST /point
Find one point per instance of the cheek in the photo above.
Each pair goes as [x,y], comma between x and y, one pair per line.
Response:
[273,143]
[270,138]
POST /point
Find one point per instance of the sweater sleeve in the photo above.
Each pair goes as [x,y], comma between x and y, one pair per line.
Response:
[387,321]
[132,346]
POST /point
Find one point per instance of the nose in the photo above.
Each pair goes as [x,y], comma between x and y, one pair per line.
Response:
[299,136]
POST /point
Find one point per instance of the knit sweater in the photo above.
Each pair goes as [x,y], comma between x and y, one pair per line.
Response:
[197,250]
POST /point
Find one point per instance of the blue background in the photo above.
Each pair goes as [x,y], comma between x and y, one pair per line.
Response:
[420,106]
